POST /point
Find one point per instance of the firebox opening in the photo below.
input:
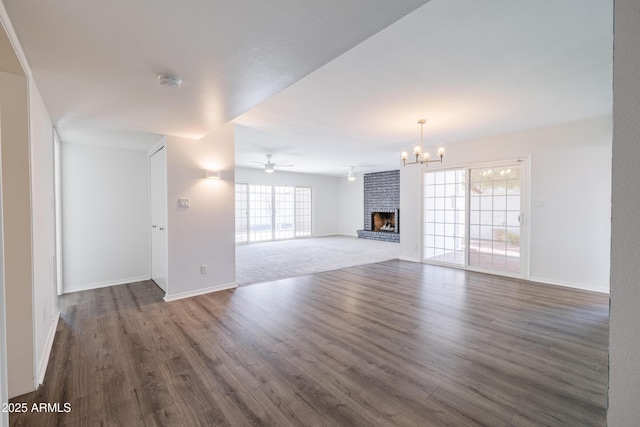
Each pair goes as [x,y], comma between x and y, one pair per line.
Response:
[383,221]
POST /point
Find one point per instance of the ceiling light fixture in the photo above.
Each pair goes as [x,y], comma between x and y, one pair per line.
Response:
[168,80]
[421,159]
[351,176]
[270,166]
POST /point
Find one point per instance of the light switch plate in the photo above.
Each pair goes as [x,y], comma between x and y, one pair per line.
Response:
[184,203]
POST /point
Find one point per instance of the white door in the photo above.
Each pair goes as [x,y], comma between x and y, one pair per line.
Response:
[158,185]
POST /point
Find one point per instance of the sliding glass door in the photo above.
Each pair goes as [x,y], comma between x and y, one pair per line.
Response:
[494,218]
[266,212]
[284,212]
[473,218]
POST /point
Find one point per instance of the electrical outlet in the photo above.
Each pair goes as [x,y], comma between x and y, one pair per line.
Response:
[203,269]
[184,203]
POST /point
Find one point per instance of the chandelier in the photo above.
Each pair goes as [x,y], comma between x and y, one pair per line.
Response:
[421,158]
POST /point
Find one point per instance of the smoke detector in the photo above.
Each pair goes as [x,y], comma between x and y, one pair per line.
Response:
[168,80]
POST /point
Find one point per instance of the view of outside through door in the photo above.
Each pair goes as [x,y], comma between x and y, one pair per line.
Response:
[472,217]
[444,225]
[265,212]
[494,218]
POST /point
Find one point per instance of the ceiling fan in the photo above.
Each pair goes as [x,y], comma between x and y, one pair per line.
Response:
[351,175]
[269,167]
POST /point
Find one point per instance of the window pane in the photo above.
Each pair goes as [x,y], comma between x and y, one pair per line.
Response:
[303,211]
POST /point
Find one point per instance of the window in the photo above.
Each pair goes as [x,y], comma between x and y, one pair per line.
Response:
[265,212]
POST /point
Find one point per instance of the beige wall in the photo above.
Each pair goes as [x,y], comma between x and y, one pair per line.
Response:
[16,198]
[624,327]
[45,299]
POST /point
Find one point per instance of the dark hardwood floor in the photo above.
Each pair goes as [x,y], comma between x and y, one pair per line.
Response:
[393,343]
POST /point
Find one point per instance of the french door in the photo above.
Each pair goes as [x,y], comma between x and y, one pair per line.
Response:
[473,217]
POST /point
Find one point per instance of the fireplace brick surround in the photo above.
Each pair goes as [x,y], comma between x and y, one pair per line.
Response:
[381,194]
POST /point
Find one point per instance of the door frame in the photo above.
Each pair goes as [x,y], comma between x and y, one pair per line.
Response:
[525,206]
[153,151]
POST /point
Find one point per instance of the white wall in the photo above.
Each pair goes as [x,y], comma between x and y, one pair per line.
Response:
[624,326]
[410,212]
[325,194]
[570,174]
[351,206]
[45,297]
[204,233]
[105,216]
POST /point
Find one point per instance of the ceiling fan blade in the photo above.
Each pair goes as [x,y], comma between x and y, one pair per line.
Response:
[283,166]
[260,163]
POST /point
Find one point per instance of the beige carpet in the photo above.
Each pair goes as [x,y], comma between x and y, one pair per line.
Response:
[261,262]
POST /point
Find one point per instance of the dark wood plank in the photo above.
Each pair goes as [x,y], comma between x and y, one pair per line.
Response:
[392,343]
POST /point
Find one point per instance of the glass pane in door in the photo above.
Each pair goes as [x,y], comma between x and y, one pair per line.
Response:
[242,213]
[260,212]
[284,214]
[303,211]
[494,218]
[444,209]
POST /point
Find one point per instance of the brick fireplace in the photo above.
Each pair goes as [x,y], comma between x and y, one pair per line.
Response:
[381,206]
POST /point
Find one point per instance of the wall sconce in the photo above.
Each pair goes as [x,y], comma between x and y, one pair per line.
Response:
[211,174]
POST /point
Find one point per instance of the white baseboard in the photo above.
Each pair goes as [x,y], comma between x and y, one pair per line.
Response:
[197,292]
[89,286]
[543,280]
[404,258]
[582,286]
[48,345]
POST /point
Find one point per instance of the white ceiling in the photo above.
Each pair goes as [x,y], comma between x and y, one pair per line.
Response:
[323,84]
